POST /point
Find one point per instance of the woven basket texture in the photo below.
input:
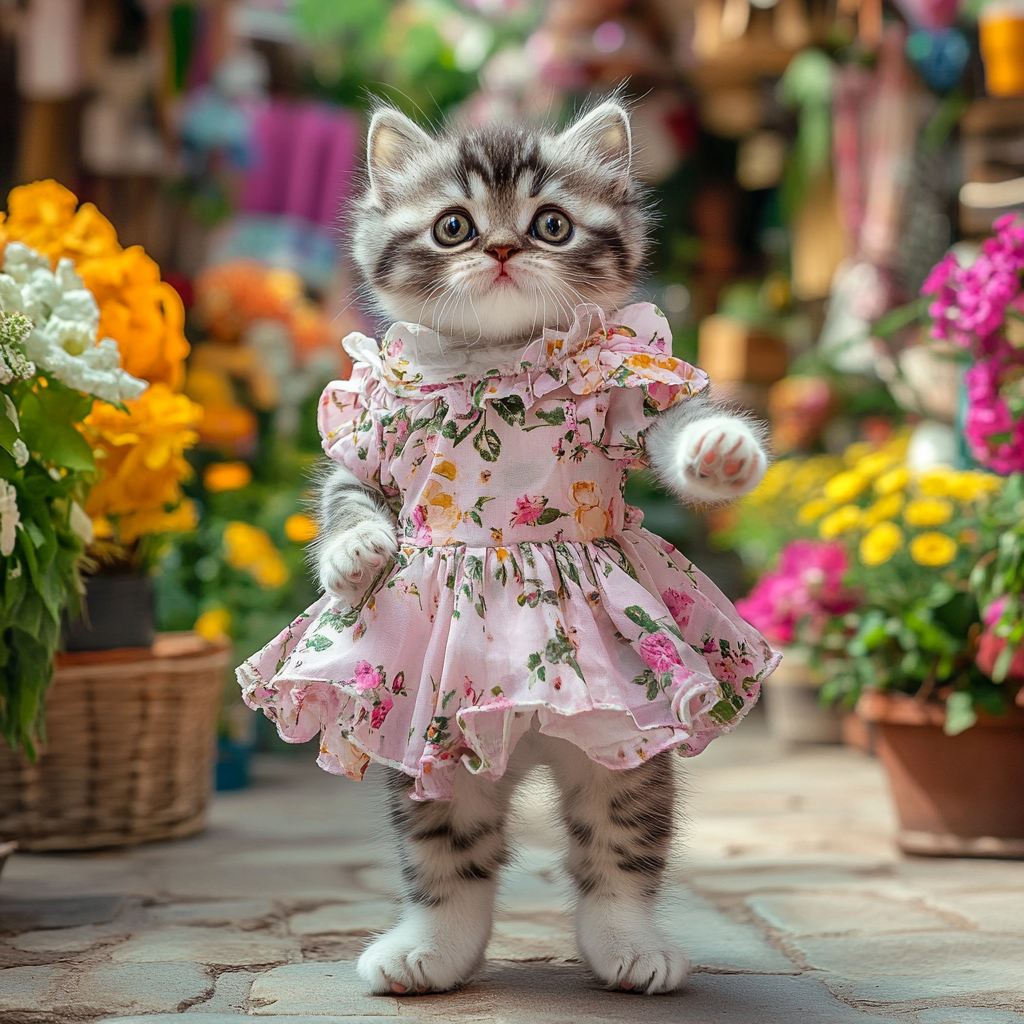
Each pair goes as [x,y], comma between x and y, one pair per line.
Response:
[130,742]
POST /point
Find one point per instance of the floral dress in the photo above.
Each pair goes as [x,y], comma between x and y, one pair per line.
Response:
[524,586]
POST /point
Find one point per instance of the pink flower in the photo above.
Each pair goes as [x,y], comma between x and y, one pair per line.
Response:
[528,510]
[398,683]
[380,712]
[658,653]
[422,534]
[679,606]
[401,429]
[367,677]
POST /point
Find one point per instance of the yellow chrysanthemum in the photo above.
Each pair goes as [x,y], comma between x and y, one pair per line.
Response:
[300,529]
[250,549]
[874,464]
[813,510]
[885,508]
[856,451]
[226,476]
[969,486]
[841,521]
[140,452]
[880,544]
[933,549]
[928,512]
[845,487]
[143,314]
[936,482]
[893,481]
[213,624]
[133,525]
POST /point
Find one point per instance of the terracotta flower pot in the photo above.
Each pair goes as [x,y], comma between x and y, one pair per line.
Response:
[956,796]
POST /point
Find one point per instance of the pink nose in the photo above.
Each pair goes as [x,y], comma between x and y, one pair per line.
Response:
[502,253]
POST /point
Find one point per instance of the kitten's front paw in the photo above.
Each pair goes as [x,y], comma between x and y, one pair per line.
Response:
[640,959]
[349,561]
[720,458]
[412,959]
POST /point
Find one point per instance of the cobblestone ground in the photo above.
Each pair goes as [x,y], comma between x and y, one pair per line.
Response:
[787,891]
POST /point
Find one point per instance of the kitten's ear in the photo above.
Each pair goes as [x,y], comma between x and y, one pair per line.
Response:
[390,143]
[606,134]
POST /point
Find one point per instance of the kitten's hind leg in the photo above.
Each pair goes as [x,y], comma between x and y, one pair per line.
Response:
[620,827]
[452,852]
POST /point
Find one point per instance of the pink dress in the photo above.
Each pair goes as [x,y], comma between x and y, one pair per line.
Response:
[524,583]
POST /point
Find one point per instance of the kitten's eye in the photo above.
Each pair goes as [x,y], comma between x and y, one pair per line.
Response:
[453,228]
[551,226]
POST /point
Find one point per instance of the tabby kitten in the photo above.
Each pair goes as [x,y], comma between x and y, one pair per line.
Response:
[565,222]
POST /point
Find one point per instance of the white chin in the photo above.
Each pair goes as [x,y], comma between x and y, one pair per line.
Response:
[508,312]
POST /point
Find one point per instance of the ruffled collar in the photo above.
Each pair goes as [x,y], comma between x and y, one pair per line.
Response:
[628,348]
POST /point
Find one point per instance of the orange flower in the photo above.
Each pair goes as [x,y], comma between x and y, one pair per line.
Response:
[300,529]
[226,476]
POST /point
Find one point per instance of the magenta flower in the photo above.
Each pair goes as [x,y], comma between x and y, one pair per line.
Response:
[380,712]
[422,534]
[367,677]
[529,509]
[679,606]
[658,653]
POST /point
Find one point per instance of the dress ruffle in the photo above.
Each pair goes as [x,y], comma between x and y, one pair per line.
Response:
[622,647]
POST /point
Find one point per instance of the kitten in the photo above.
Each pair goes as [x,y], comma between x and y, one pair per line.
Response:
[566,222]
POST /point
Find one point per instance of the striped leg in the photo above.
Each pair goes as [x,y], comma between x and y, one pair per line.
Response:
[451,853]
[620,826]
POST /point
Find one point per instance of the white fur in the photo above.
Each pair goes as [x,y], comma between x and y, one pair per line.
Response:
[348,561]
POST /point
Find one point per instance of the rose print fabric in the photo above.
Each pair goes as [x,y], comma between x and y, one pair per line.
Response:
[524,584]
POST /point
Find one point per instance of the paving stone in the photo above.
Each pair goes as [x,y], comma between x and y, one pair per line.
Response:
[243,913]
[368,915]
[237,1018]
[824,913]
[18,915]
[716,941]
[540,935]
[989,911]
[963,1015]
[221,946]
[772,879]
[70,940]
[893,969]
[230,994]
[30,988]
[315,988]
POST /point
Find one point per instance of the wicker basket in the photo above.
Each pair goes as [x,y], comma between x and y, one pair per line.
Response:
[130,741]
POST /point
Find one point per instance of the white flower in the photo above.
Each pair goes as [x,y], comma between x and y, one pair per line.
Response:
[66,320]
[9,517]
[20,453]
[14,328]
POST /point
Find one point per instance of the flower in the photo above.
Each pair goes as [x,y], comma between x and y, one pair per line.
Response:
[880,544]
[250,549]
[884,508]
[10,518]
[300,529]
[968,486]
[658,653]
[62,342]
[841,521]
[529,508]
[875,464]
[845,487]
[933,549]
[893,481]
[14,329]
[928,512]
[380,712]
[936,482]
[226,476]
[679,606]
[367,677]
[133,525]
[140,451]
[813,510]
[213,624]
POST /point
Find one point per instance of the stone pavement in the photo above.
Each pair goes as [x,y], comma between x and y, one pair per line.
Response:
[787,891]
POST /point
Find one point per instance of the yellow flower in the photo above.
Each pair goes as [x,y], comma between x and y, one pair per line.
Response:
[936,482]
[884,508]
[928,512]
[140,451]
[300,529]
[813,510]
[875,464]
[183,519]
[226,476]
[845,487]
[445,469]
[250,549]
[856,451]
[933,549]
[968,486]
[213,624]
[880,544]
[893,481]
[841,521]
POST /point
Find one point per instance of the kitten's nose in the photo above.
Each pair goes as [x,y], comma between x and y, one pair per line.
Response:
[502,253]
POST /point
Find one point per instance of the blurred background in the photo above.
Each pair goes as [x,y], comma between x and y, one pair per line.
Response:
[811,161]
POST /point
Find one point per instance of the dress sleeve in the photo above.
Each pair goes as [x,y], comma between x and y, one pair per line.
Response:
[350,425]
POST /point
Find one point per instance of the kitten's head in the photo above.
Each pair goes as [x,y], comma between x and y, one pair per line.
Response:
[495,234]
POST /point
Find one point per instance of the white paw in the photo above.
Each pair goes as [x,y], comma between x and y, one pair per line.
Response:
[414,958]
[626,950]
[349,561]
[720,458]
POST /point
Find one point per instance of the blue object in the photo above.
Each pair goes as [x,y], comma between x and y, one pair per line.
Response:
[233,761]
[940,56]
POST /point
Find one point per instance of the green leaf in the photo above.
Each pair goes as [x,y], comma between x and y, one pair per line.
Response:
[960,714]
[512,410]
[549,515]
[8,432]
[488,444]
[896,319]
[48,420]
[636,614]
